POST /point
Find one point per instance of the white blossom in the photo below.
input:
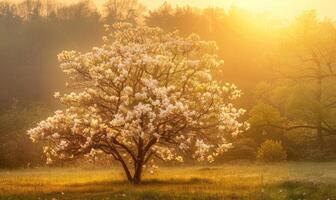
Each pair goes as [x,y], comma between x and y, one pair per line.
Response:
[154,96]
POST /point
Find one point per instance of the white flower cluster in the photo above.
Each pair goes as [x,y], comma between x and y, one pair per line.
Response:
[143,95]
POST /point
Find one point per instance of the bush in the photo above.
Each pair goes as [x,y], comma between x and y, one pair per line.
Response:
[16,149]
[243,149]
[271,151]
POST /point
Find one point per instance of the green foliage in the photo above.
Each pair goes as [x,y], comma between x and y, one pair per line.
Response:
[271,151]
[262,114]
[16,149]
[243,149]
[31,37]
[301,103]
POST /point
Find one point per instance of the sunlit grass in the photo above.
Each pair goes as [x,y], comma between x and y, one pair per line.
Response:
[233,181]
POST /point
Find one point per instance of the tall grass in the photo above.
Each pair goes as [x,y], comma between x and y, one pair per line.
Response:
[309,181]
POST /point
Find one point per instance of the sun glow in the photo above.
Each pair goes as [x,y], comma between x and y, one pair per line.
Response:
[278,8]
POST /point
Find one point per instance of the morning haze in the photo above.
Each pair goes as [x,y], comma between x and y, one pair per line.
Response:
[279,8]
[168,100]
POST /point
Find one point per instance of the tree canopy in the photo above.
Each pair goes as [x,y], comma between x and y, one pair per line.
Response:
[143,95]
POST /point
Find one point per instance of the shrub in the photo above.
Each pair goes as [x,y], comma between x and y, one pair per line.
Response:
[16,149]
[271,151]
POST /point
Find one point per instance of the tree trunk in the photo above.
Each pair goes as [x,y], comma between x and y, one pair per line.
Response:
[320,137]
[138,166]
[127,171]
[319,120]
[137,174]
[136,178]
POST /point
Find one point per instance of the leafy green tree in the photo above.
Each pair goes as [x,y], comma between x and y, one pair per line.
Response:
[303,98]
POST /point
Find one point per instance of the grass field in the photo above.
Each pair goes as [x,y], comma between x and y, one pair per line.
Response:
[292,181]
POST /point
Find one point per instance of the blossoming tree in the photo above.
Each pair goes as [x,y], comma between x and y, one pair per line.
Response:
[143,95]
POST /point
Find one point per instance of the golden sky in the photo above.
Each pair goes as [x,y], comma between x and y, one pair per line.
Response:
[279,8]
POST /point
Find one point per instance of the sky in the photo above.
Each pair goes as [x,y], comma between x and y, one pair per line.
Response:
[278,8]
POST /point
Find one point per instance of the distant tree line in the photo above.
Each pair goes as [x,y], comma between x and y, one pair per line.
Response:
[34,31]
[286,71]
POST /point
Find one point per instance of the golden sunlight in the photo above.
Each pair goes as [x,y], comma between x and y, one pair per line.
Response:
[278,8]
[168,99]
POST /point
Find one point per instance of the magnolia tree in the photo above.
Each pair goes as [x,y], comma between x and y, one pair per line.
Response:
[143,95]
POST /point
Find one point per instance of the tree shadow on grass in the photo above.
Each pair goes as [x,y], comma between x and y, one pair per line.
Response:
[210,169]
[177,181]
[149,182]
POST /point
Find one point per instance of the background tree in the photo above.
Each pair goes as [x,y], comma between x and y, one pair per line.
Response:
[32,32]
[303,97]
[313,45]
[143,95]
[123,10]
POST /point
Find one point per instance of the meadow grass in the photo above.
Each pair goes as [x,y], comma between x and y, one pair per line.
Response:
[295,181]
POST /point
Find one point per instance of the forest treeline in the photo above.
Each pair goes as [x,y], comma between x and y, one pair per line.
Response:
[286,70]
